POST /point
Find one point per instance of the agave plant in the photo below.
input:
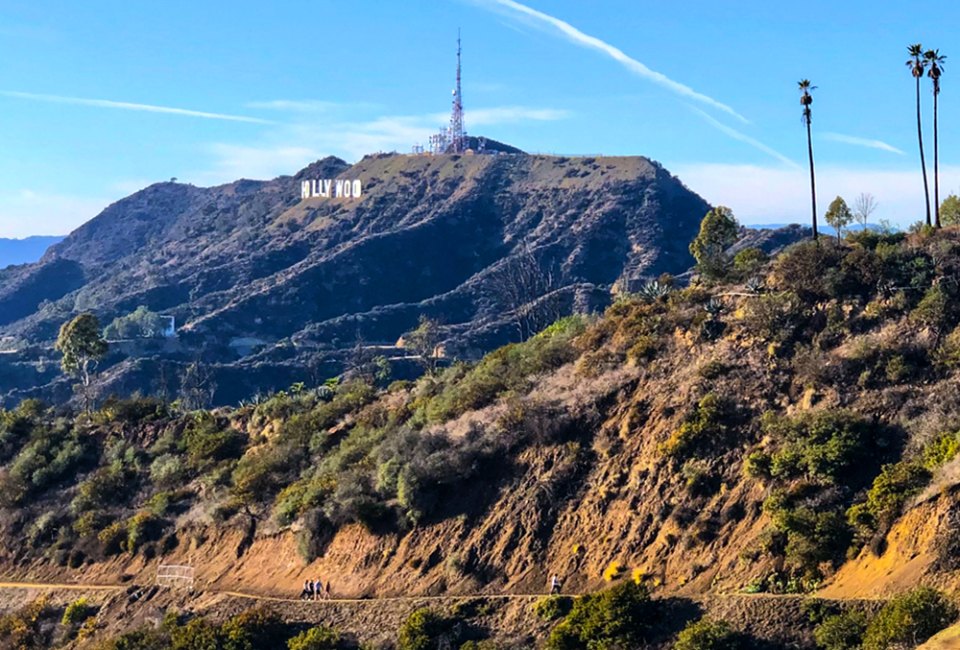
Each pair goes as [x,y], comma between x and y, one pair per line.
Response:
[714,308]
[653,290]
[755,284]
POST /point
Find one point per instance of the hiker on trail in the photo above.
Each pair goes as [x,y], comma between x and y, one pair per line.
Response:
[307,592]
[555,584]
[326,591]
[317,589]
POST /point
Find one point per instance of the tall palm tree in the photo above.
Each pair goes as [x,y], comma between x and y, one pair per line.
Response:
[935,60]
[806,100]
[917,67]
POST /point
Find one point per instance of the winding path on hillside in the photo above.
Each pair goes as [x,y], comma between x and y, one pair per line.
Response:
[75,586]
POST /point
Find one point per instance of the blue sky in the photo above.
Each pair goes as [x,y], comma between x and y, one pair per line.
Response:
[100,98]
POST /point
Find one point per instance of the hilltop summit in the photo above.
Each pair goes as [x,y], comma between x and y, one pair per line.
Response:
[258,278]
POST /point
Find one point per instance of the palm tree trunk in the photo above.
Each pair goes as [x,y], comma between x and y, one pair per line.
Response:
[936,166]
[923,161]
[813,181]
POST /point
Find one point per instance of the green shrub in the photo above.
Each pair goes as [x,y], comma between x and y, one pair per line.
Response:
[316,638]
[141,528]
[134,410]
[909,619]
[808,269]
[773,317]
[167,471]
[622,616]
[936,310]
[706,634]
[941,450]
[27,628]
[197,634]
[422,630]
[509,368]
[749,261]
[550,608]
[841,631]
[77,612]
[891,489]
[830,445]
[758,464]
[207,443]
[101,489]
[258,628]
[705,427]
[813,535]
[112,538]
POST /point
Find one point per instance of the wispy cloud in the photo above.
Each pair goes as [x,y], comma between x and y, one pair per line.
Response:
[743,137]
[129,106]
[576,36]
[861,142]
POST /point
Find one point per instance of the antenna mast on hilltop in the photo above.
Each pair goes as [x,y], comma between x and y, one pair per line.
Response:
[458,137]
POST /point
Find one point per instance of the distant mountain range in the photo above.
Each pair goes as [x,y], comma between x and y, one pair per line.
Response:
[24,251]
[823,228]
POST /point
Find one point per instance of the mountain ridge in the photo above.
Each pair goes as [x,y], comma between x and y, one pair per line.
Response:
[434,235]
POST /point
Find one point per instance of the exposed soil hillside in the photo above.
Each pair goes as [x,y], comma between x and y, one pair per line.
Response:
[788,427]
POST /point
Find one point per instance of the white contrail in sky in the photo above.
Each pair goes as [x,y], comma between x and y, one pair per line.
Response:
[576,36]
[128,106]
[743,137]
[861,142]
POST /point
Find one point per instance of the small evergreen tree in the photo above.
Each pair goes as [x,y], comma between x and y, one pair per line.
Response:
[718,232]
[839,215]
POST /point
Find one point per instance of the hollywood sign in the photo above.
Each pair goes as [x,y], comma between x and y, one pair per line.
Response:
[331,189]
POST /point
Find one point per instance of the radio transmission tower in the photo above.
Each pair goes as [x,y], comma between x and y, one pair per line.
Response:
[458,137]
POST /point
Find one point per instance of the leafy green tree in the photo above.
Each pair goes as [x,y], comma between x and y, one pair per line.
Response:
[718,232]
[141,323]
[909,619]
[918,66]
[423,341]
[839,215]
[806,100]
[950,211]
[82,347]
[935,60]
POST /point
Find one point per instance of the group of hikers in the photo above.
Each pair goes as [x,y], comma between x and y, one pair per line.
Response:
[315,590]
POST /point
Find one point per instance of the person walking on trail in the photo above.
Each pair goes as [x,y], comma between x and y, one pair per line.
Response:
[307,592]
[326,591]
[317,589]
[555,584]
